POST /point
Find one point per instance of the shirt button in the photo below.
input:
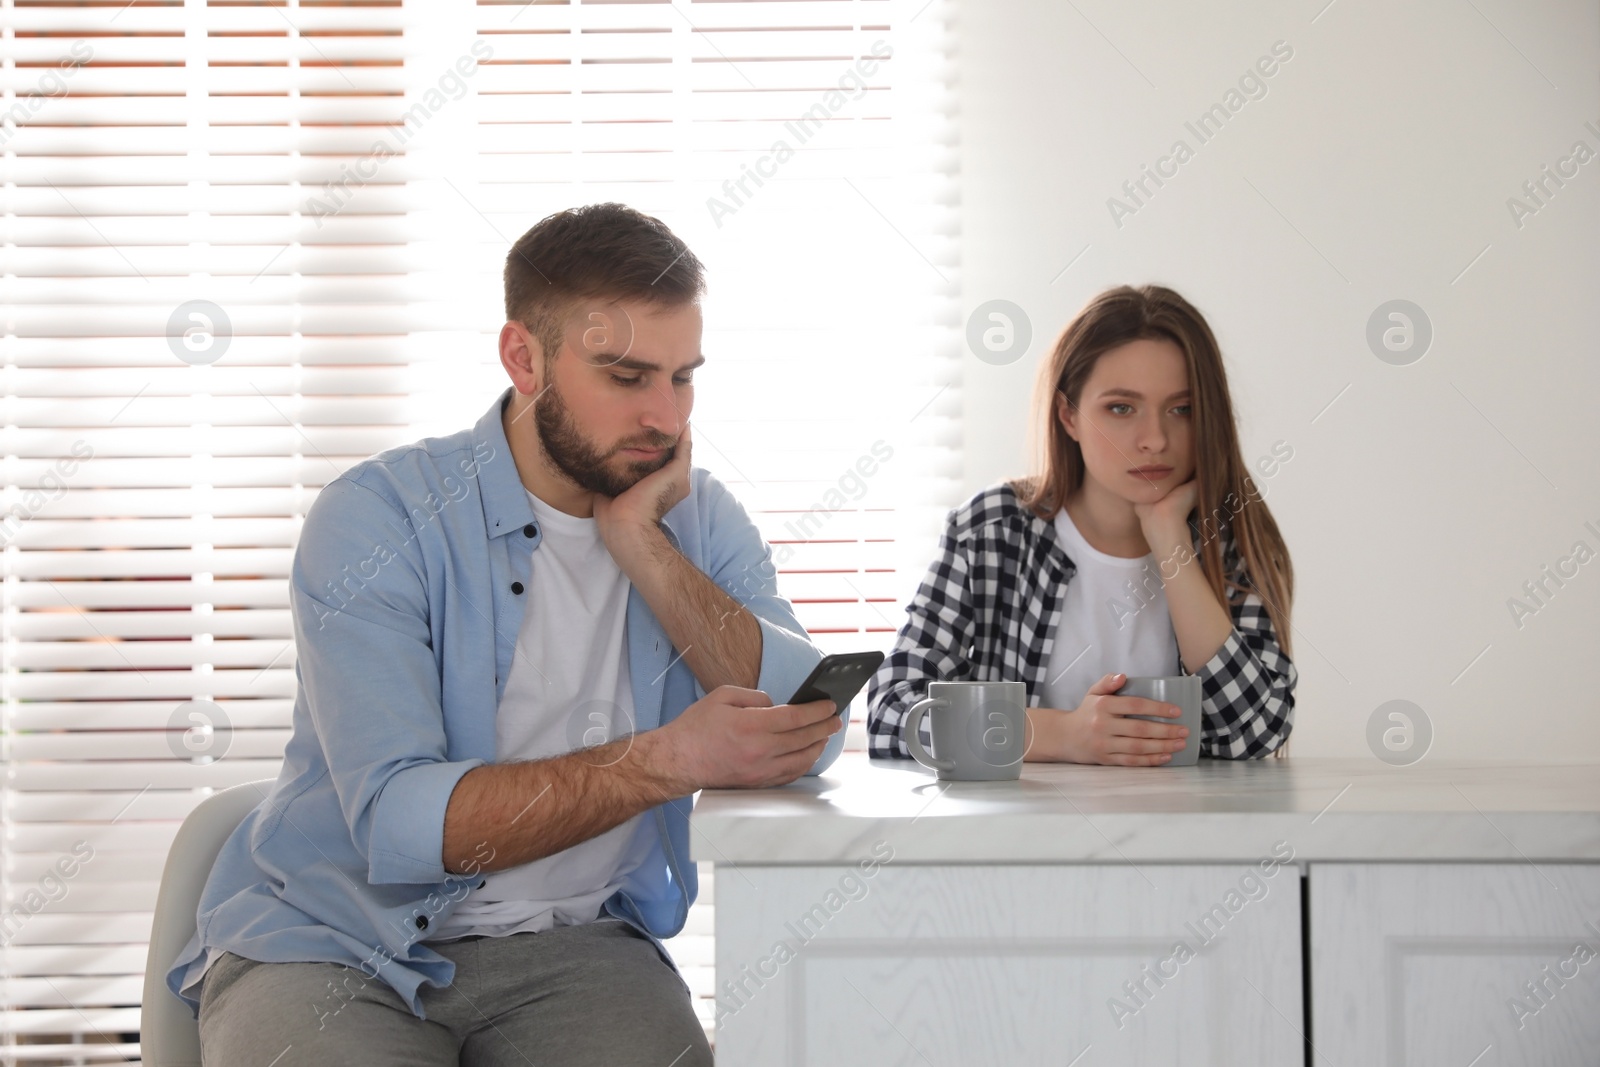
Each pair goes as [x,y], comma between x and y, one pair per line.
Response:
[422,922]
[529,530]
[516,587]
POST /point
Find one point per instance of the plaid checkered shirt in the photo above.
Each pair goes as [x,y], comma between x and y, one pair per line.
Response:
[988,609]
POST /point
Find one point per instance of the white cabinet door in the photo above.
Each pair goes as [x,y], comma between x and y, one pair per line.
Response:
[927,966]
[1455,964]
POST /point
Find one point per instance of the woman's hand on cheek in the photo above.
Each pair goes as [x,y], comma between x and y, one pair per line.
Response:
[1169,516]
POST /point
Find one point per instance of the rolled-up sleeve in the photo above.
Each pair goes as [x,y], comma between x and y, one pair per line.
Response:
[1247,686]
[358,596]
[742,564]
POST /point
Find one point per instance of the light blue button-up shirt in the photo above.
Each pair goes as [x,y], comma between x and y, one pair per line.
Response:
[407,594]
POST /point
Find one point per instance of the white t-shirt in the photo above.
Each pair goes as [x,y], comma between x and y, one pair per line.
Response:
[1114,619]
[569,686]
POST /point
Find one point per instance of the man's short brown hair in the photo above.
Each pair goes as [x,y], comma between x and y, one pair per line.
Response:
[607,251]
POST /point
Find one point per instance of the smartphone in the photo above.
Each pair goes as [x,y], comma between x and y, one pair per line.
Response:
[838,678]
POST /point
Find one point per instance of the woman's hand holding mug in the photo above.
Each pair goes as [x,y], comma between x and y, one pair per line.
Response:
[1100,730]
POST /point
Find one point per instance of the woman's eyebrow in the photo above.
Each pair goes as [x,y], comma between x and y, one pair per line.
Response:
[1119,391]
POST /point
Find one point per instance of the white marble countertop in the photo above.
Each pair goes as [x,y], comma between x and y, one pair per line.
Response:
[1218,811]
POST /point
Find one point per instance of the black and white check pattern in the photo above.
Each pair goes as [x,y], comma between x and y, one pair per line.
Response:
[988,608]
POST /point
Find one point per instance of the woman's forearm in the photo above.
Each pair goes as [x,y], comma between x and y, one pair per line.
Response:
[1199,619]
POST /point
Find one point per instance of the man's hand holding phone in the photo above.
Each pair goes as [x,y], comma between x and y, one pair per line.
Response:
[736,738]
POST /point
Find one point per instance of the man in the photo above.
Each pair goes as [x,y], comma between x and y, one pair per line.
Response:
[521,649]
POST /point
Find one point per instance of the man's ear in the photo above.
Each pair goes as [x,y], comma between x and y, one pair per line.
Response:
[522,356]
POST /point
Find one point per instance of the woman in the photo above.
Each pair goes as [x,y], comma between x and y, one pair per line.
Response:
[1099,561]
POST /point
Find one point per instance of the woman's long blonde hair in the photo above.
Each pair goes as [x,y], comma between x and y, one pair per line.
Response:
[1108,321]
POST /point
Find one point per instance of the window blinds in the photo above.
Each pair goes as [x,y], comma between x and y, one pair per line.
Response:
[815,178]
[247,245]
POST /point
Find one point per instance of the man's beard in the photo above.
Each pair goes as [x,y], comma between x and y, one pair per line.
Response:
[576,456]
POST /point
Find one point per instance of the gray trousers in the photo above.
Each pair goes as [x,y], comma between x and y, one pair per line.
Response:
[598,993]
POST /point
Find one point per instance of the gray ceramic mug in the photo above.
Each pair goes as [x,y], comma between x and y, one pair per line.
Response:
[979,730]
[1182,690]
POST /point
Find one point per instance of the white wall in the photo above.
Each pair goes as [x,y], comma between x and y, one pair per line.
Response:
[1378,166]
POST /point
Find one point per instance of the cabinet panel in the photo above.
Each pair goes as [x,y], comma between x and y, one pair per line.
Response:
[961,965]
[1455,964]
